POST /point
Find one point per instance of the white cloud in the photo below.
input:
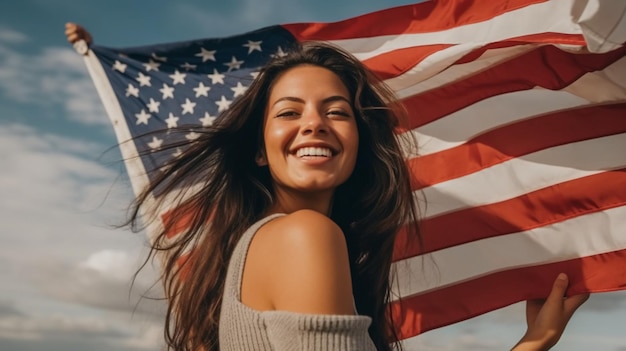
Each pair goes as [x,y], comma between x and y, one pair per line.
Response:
[116,264]
[8,309]
[9,35]
[149,338]
[50,193]
[57,203]
[70,275]
[22,327]
[54,77]
[52,332]
[105,291]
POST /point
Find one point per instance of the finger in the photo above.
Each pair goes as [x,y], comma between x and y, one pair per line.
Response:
[71,32]
[572,303]
[71,37]
[558,289]
[532,310]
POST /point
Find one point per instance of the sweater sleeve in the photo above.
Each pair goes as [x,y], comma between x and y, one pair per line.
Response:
[309,332]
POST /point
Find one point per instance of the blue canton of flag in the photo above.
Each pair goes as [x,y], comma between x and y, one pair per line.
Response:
[188,84]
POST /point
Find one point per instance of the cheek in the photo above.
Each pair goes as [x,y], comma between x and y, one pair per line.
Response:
[276,139]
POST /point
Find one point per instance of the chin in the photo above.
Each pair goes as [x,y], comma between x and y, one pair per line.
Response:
[316,187]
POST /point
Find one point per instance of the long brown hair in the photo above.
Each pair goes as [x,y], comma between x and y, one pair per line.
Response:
[216,177]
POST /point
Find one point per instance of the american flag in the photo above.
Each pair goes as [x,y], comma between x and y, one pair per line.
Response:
[519,108]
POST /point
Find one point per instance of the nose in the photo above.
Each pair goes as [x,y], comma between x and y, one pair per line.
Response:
[314,122]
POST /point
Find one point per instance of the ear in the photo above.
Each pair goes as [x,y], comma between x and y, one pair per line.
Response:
[260,159]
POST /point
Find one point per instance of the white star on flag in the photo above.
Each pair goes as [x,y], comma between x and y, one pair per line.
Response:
[119,66]
[206,54]
[207,120]
[223,104]
[155,143]
[167,91]
[188,67]
[192,136]
[172,121]
[233,64]
[279,52]
[188,106]
[142,117]
[151,65]
[216,77]
[143,80]
[202,90]
[253,45]
[178,78]
[132,90]
[153,105]
[239,89]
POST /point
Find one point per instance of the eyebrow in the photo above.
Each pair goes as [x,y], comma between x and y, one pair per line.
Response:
[326,100]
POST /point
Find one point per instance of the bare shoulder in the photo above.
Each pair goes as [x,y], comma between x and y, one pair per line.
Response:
[304,227]
[299,263]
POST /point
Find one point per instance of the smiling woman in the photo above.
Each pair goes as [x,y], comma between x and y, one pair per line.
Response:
[305,186]
[308,181]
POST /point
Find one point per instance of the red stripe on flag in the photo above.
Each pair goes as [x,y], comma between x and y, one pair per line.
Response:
[395,63]
[428,16]
[546,67]
[518,139]
[420,313]
[536,209]
[176,220]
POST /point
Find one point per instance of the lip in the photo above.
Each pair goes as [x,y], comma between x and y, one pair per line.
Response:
[295,149]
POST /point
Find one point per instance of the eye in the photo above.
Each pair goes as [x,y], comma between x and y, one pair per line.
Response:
[338,113]
[287,114]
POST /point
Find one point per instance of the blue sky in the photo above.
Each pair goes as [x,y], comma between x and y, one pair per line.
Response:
[66,270]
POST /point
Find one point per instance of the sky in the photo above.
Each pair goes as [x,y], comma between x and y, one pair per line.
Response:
[66,267]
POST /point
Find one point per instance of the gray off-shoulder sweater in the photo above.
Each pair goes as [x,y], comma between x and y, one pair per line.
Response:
[242,328]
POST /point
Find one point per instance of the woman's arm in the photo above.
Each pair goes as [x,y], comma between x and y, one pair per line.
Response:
[546,319]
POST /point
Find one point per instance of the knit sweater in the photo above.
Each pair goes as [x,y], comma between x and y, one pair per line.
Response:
[243,328]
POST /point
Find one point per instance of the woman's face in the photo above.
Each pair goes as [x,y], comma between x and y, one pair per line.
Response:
[310,133]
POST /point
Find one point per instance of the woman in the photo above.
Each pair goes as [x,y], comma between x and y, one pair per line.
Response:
[305,185]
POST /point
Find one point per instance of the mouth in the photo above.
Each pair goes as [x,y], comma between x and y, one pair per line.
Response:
[314,152]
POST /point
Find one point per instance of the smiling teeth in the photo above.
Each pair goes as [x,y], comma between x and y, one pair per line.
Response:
[314,151]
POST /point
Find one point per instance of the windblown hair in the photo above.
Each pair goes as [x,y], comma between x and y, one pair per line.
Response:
[223,192]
